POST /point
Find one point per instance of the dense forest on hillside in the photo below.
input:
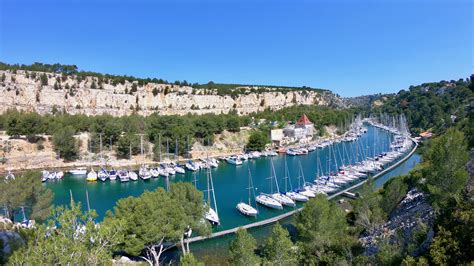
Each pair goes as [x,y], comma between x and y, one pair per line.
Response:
[431,106]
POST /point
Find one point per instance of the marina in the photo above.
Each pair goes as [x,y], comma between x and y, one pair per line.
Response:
[230,181]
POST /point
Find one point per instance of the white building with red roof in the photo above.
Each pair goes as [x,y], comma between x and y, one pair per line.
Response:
[301,131]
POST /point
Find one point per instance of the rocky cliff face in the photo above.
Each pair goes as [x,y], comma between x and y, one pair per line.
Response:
[413,215]
[27,91]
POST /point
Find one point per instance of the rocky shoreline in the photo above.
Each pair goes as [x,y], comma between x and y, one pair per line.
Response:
[412,214]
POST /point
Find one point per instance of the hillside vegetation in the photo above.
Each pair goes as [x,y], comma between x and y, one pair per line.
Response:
[431,106]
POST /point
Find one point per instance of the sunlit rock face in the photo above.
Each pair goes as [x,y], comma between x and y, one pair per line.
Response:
[413,214]
[24,91]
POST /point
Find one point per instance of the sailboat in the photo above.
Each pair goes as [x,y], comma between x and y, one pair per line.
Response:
[144,173]
[92,175]
[245,208]
[292,194]
[103,174]
[267,199]
[211,215]
[282,198]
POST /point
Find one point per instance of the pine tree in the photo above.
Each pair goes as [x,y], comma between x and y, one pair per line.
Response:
[278,249]
[242,249]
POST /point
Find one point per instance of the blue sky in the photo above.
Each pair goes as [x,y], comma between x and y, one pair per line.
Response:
[350,47]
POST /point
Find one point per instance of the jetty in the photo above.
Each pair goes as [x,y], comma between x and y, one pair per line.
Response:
[287,214]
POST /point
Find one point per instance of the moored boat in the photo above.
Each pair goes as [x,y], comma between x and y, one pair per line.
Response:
[91,176]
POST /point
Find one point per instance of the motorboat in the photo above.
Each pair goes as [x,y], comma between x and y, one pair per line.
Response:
[113,174]
[178,169]
[103,175]
[144,173]
[234,160]
[169,169]
[191,166]
[81,171]
[154,172]
[59,175]
[52,175]
[123,176]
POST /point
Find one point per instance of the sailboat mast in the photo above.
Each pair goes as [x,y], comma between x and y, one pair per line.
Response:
[213,193]
[274,176]
[208,189]
[176,150]
[88,204]
[159,147]
[100,146]
[250,185]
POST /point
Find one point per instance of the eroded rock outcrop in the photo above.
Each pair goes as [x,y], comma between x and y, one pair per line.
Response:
[24,90]
[413,215]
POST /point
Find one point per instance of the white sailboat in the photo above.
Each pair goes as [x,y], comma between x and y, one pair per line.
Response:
[282,198]
[211,215]
[245,208]
[92,175]
[295,196]
[267,199]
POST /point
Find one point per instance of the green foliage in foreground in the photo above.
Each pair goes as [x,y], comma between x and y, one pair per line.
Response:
[26,191]
[242,249]
[71,237]
[279,249]
[443,176]
[445,168]
[158,217]
[189,260]
[323,233]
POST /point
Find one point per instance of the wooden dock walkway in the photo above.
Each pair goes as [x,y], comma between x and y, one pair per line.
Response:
[287,214]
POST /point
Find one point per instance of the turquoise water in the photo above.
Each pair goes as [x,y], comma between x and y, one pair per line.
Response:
[230,181]
[215,250]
